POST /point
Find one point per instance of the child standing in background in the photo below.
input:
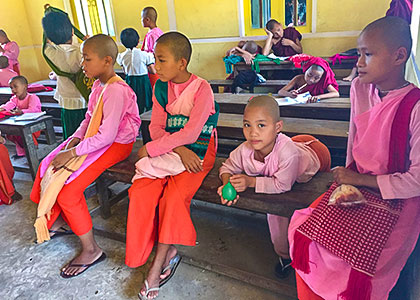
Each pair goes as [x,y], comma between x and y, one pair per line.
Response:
[104,138]
[148,19]
[177,94]
[272,163]
[283,42]
[318,79]
[136,64]
[21,102]
[5,73]
[66,56]
[358,252]
[10,50]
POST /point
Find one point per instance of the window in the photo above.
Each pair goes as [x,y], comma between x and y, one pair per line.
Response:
[93,16]
[260,12]
[297,13]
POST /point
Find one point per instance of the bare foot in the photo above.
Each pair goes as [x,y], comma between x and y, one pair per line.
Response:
[171,254]
[153,280]
[84,258]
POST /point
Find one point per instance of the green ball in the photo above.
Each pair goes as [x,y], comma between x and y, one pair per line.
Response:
[229,192]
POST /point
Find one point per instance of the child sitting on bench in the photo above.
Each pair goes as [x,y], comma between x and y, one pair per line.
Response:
[5,73]
[270,162]
[357,252]
[104,138]
[184,118]
[283,42]
[21,102]
[318,79]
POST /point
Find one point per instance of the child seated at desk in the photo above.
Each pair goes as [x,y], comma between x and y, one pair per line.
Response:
[318,79]
[21,102]
[183,121]
[10,49]
[5,73]
[270,162]
[136,64]
[283,42]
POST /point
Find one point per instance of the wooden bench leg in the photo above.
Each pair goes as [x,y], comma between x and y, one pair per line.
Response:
[105,204]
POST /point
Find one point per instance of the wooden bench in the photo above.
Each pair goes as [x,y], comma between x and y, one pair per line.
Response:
[344,86]
[332,133]
[329,109]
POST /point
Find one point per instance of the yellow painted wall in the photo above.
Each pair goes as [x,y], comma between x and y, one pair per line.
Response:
[207,19]
[197,19]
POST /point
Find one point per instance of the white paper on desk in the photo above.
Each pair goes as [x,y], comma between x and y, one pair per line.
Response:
[30,116]
[273,56]
[301,98]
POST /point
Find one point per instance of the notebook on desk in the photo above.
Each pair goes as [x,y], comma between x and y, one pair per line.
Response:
[30,116]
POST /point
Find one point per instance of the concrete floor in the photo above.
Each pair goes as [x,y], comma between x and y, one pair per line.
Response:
[230,242]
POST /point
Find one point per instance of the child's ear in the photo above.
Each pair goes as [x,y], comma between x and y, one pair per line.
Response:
[109,60]
[279,126]
[183,64]
[401,55]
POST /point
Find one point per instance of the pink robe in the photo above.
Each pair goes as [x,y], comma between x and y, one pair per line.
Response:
[11,51]
[120,124]
[325,267]
[5,75]
[150,39]
[169,164]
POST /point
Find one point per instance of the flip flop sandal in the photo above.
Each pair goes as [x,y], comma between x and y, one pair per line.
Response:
[60,232]
[148,290]
[86,266]
[173,265]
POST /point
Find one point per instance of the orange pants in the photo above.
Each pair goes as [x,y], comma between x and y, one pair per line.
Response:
[319,148]
[6,177]
[71,202]
[159,210]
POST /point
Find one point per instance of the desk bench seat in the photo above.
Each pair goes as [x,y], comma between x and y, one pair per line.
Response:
[344,86]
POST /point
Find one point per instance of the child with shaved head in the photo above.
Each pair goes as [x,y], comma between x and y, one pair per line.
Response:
[358,252]
[270,162]
[182,128]
[149,19]
[104,138]
[10,49]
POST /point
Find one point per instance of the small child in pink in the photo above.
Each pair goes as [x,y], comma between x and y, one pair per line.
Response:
[5,73]
[9,49]
[22,102]
[271,162]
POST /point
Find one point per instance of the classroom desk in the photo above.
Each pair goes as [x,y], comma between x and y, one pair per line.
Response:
[47,82]
[25,130]
[337,109]
[6,94]
[265,66]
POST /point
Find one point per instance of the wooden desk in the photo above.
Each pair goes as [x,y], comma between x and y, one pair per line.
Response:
[337,109]
[25,130]
[265,66]
[47,82]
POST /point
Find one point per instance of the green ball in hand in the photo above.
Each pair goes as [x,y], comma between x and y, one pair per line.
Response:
[229,192]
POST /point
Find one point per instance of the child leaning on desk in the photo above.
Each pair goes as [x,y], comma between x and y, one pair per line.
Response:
[21,102]
[318,79]
[270,162]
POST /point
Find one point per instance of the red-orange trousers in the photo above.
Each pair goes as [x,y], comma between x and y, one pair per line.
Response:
[71,202]
[6,177]
[159,210]
[303,290]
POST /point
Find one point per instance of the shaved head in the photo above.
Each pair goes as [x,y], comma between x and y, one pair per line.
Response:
[394,32]
[268,103]
[150,12]
[178,44]
[4,62]
[103,45]
[3,33]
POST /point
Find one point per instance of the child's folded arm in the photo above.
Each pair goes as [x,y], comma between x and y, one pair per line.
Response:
[112,116]
[11,104]
[192,129]
[158,122]
[233,165]
[405,185]
[283,180]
